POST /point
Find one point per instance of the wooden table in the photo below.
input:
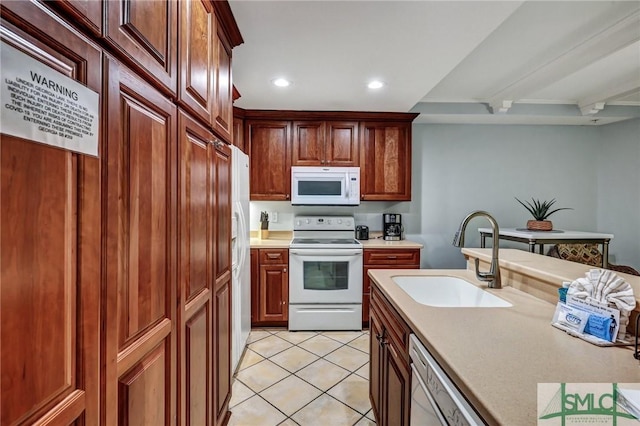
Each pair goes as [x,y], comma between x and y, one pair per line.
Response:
[540,238]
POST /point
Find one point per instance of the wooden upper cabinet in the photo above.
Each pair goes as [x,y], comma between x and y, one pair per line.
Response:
[308,143]
[50,241]
[385,161]
[320,143]
[238,133]
[140,181]
[86,13]
[197,47]
[223,93]
[145,35]
[341,145]
[270,159]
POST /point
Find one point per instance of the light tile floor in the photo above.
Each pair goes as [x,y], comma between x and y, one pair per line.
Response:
[303,378]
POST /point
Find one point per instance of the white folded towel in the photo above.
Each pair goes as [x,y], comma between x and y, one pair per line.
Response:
[604,286]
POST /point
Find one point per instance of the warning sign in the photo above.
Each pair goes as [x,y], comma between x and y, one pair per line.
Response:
[41,104]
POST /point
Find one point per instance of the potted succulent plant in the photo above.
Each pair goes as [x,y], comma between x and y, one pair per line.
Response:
[540,210]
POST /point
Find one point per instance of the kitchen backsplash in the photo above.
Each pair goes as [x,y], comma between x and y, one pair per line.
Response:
[367,213]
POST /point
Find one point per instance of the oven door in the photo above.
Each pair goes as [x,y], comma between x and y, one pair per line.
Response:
[325,275]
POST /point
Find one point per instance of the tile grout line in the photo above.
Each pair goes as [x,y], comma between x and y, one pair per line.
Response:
[290,373]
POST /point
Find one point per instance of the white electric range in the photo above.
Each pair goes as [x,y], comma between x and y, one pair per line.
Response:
[325,274]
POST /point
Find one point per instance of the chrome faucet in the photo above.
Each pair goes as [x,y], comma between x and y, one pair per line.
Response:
[493,276]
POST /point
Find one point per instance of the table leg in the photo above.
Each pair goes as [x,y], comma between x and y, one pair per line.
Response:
[532,247]
[541,248]
[605,254]
[483,240]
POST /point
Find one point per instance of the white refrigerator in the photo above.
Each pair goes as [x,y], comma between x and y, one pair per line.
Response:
[241,264]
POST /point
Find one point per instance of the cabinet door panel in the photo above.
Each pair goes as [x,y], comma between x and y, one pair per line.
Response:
[385,161]
[196,198]
[85,12]
[222,350]
[375,363]
[144,296]
[145,32]
[274,281]
[222,210]
[398,388]
[50,246]
[197,50]
[223,108]
[198,368]
[142,387]
[308,146]
[270,157]
[255,286]
[140,264]
[341,145]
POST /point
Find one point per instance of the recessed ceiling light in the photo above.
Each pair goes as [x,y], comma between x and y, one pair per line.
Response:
[281,82]
[375,84]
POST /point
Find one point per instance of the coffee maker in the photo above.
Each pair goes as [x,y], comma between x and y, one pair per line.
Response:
[392,229]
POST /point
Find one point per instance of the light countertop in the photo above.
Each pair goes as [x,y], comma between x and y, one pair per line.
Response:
[281,239]
[276,240]
[497,356]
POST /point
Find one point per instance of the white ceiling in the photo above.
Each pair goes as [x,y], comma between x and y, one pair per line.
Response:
[533,62]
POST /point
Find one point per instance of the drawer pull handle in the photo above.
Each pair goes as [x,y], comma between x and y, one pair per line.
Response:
[392,257]
[273,256]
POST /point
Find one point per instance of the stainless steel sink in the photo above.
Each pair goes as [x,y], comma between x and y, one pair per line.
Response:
[448,292]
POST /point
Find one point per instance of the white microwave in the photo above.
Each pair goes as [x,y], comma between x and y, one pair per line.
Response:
[335,186]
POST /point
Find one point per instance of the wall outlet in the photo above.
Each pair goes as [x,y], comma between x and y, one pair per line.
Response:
[273,217]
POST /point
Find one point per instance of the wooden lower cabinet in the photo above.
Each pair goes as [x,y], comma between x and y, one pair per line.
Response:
[389,368]
[222,351]
[270,268]
[384,259]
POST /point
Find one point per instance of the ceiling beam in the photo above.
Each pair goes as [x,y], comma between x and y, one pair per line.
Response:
[616,37]
[590,104]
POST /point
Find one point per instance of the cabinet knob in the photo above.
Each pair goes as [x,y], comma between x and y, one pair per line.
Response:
[286,196]
[284,270]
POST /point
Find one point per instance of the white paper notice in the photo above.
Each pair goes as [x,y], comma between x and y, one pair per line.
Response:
[40,104]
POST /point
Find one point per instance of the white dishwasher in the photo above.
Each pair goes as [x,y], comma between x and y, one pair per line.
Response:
[434,398]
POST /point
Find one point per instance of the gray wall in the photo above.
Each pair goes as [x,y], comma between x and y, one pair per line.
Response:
[619,189]
[461,168]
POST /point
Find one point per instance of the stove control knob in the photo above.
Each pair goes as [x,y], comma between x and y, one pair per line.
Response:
[328,221]
[308,221]
[348,223]
[298,222]
[339,221]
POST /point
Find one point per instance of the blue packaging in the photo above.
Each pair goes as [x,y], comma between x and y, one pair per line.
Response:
[562,292]
[599,327]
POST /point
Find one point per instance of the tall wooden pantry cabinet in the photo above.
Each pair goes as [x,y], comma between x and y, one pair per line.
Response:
[115,288]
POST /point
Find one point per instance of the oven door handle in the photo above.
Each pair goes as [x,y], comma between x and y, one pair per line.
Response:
[341,252]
